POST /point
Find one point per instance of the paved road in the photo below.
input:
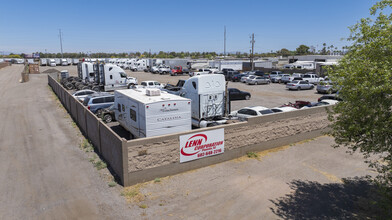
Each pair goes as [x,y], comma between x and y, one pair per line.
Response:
[43,174]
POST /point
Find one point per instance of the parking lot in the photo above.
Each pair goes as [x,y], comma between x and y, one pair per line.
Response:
[272,95]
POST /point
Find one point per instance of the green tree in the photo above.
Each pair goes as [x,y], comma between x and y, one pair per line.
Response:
[284,52]
[302,50]
[363,121]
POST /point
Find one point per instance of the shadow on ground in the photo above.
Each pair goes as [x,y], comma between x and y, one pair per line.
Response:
[355,198]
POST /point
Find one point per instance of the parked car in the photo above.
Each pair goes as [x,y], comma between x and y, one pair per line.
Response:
[107,115]
[283,109]
[285,78]
[248,112]
[327,102]
[299,84]
[237,77]
[244,78]
[298,104]
[255,80]
[229,74]
[274,74]
[81,94]
[236,94]
[330,96]
[151,84]
[312,78]
[97,102]
[326,87]
[276,78]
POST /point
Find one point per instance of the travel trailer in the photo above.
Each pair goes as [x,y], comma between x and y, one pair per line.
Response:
[152,112]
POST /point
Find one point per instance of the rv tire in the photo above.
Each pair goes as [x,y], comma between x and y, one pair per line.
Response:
[96,88]
[107,118]
[69,86]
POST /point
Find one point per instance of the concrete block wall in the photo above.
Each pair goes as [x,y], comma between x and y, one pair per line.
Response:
[92,125]
[81,114]
[108,144]
[149,158]
[111,148]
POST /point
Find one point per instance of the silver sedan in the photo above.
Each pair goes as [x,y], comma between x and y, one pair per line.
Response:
[255,80]
[299,84]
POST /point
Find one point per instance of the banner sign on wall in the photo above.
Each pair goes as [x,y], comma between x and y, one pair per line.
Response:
[201,144]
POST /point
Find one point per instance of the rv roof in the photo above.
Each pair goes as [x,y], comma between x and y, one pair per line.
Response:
[140,95]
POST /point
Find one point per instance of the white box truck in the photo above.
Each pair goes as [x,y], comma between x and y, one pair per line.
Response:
[151,112]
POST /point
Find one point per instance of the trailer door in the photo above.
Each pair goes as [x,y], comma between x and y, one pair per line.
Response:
[133,118]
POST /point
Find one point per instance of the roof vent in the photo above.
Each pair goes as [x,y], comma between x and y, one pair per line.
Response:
[153,92]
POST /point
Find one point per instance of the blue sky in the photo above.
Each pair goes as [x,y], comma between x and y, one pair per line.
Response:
[175,25]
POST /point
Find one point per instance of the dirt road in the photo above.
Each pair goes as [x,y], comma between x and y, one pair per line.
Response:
[43,173]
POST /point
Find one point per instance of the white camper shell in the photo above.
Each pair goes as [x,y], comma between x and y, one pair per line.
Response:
[151,112]
[207,93]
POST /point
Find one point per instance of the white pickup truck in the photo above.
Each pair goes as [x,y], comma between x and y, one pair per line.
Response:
[312,78]
[200,72]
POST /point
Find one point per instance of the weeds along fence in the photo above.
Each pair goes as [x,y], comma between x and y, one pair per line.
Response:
[145,159]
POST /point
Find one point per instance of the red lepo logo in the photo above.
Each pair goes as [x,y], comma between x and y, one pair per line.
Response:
[193,144]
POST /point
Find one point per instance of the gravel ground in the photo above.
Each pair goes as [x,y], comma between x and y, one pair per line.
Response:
[43,172]
[272,95]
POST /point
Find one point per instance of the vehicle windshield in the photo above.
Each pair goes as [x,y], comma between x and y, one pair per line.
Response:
[252,77]
[266,112]
[295,82]
[123,75]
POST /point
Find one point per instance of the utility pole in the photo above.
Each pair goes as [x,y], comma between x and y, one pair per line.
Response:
[224,49]
[253,47]
[61,44]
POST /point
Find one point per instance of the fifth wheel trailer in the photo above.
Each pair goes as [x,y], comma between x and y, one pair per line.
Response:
[151,112]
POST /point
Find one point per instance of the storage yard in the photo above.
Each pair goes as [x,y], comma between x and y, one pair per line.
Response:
[271,95]
[47,164]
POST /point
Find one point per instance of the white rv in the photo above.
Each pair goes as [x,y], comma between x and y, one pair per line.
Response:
[207,93]
[75,61]
[64,62]
[51,62]
[69,61]
[58,61]
[43,62]
[151,112]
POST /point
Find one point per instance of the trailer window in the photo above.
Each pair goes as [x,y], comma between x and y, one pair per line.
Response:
[119,107]
[111,76]
[132,114]
[194,84]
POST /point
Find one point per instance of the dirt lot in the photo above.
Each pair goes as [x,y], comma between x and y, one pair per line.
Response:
[308,180]
[272,95]
[43,173]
